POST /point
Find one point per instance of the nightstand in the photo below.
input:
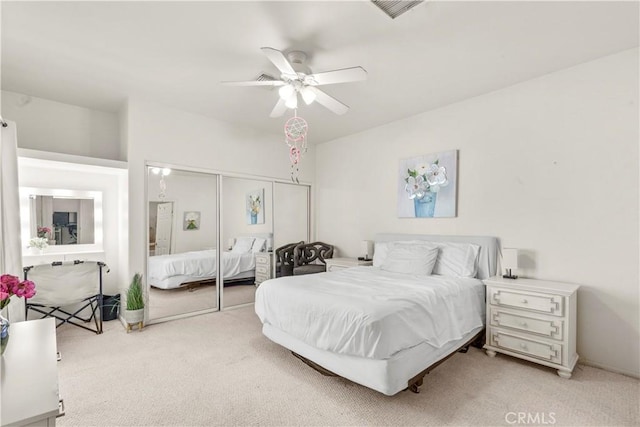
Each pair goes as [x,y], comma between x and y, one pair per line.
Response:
[263,266]
[335,264]
[534,320]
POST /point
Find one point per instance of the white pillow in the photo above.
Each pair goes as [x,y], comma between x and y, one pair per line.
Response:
[258,244]
[457,259]
[408,259]
[380,252]
[382,249]
[243,245]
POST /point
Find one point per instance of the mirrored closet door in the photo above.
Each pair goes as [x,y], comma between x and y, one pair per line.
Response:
[182,241]
[247,232]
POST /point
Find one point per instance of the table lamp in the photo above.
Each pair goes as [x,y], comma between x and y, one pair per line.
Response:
[366,247]
[509,262]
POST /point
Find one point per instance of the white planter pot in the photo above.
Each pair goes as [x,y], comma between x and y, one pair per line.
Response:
[134,316]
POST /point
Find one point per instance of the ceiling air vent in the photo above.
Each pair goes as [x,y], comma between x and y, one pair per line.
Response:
[395,8]
[264,77]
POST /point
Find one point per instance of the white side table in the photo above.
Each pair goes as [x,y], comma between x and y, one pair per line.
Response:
[335,264]
[263,267]
[534,320]
[29,386]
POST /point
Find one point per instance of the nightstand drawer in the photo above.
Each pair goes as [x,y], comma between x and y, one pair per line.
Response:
[262,260]
[552,328]
[262,269]
[538,349]
[542,303]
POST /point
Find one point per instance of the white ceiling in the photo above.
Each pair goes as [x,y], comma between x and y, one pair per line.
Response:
[96,54]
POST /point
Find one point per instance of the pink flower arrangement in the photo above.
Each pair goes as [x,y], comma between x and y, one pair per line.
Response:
[43,231]
[11,285]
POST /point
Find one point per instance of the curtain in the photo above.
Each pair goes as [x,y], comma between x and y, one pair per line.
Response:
[10,243]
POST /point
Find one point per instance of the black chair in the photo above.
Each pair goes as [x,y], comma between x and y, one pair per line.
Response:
[65,289]
[284,259]
[309,258]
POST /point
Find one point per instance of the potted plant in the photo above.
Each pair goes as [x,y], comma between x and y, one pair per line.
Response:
[134,310]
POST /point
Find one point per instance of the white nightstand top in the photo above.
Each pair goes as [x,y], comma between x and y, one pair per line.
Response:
[349,262]
[532,284]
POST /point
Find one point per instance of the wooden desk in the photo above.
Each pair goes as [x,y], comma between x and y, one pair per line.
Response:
[29,375]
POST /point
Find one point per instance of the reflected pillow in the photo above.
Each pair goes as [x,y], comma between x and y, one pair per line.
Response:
[243,245]
[258,244]
[416,260]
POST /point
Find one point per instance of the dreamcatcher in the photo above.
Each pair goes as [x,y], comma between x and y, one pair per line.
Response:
[295,132]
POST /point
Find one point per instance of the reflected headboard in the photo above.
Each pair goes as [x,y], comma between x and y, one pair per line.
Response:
[487,258]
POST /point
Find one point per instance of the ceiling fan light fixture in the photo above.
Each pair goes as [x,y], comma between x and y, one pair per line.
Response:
[292,101]
[286,91]
[308,96]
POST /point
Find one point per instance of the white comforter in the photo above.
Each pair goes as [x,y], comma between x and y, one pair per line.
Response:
[368,312]
[199,264]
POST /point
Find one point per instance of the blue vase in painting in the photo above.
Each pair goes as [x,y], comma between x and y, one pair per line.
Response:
[425,207]
[254,218]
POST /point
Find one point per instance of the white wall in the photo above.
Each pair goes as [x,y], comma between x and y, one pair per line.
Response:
[62,128]
[75,174]
[177,138]
[549,166]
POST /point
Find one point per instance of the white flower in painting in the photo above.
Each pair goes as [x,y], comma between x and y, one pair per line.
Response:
[192,216]
[422,169]
[416,187]
[436,177]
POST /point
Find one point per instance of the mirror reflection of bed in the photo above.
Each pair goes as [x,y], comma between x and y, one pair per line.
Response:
[172,195]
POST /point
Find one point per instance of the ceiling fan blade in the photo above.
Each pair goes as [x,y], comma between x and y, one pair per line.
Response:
[328,101]
[279,60]
[344,75]
[255,83]
[279,109]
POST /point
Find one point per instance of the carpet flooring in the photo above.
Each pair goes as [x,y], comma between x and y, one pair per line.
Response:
[218,369]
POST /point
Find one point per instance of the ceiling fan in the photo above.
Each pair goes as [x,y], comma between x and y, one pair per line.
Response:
[295,78]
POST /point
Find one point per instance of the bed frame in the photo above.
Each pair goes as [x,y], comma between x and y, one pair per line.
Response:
[487,267]
[414,383]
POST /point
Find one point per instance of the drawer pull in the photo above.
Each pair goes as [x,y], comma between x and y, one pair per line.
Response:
[523,346]
[524,324]
[524,301]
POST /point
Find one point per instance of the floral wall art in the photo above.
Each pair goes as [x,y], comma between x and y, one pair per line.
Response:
[255,205]
[427,185]
[191,220]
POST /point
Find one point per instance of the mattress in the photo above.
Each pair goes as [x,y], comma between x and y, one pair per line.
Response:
[169,271]
[371,313]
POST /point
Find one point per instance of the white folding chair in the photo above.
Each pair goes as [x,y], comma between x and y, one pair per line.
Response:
[65,289]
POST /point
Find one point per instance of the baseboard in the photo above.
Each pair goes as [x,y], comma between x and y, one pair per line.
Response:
[609,368]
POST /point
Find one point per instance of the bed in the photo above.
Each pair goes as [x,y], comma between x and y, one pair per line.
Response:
[379,326]
[177,270]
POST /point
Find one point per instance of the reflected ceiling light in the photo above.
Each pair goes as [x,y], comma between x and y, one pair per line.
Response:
[166,171]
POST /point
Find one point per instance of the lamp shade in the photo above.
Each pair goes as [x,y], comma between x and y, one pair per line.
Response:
[510,258]
[366,248]
[230,243]
[269,244]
